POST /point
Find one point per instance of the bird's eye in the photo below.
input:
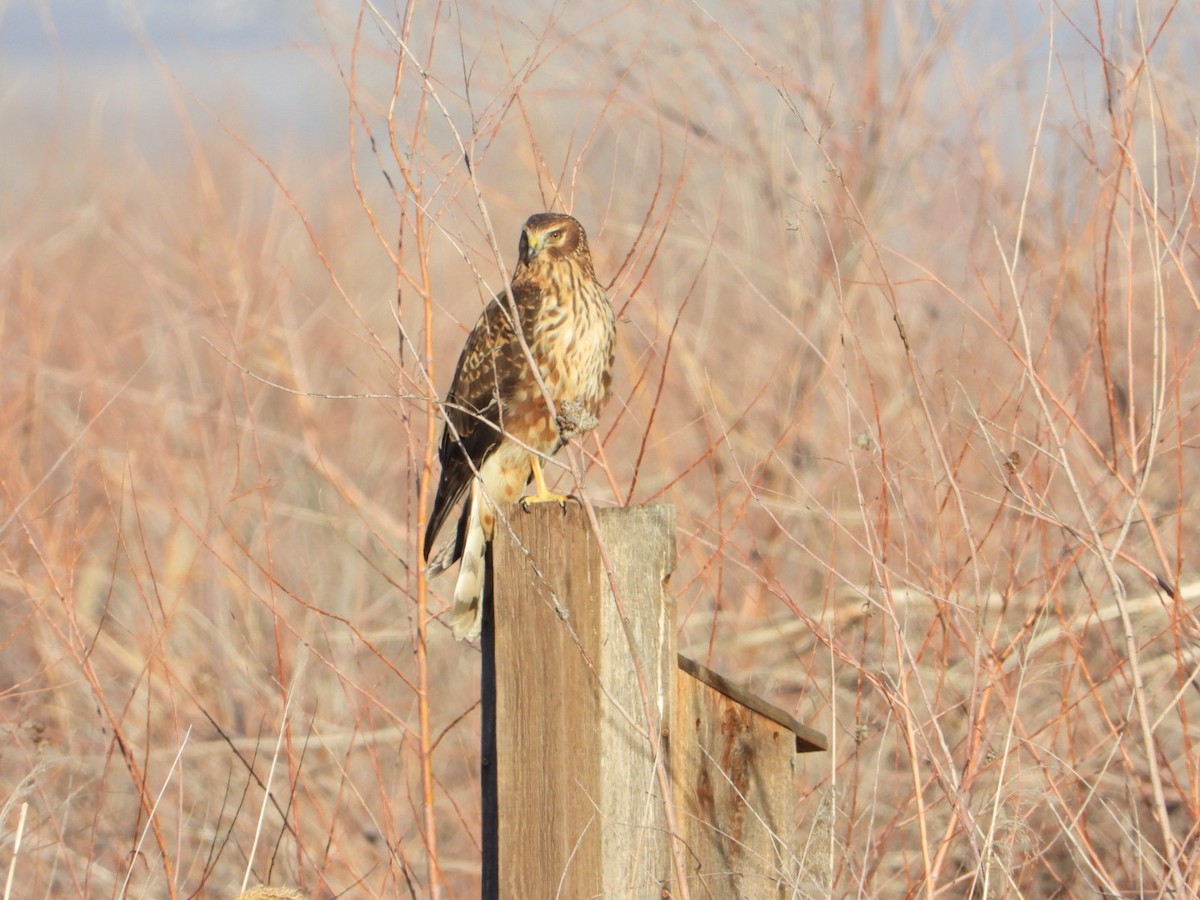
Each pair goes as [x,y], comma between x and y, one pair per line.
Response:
[556,234]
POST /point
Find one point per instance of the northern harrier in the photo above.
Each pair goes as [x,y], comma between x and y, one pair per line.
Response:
[498,423]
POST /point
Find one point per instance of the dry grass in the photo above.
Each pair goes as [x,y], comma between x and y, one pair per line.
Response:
[909,331]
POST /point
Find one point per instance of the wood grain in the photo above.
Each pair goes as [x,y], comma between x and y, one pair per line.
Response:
[575,809]
[808,740]
[579,814]
[735,780]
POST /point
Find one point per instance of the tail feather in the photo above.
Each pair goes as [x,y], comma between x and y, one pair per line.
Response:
[451,549]
[447,498]
[467,618]
[446,556]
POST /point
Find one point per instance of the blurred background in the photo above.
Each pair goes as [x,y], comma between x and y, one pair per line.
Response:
[909,315]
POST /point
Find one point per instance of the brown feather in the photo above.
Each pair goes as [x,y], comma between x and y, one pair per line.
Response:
[496,401]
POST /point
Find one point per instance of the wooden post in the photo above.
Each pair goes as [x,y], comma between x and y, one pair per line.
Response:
[572,805]
[734,761]
[579,807]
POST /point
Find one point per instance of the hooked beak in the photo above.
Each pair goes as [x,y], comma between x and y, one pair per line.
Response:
[533,246]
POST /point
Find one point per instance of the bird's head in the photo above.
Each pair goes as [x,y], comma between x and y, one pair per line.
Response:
[553,236]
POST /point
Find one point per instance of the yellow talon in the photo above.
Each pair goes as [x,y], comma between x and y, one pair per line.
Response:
[544,494]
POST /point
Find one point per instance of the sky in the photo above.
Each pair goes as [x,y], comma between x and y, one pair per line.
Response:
[265,68]
[88,67]
[105,28]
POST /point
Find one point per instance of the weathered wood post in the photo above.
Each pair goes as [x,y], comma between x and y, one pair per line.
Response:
[572,804]
[580,811]
[734,767]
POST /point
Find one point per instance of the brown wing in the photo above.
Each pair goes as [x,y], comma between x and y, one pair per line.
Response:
[488,372]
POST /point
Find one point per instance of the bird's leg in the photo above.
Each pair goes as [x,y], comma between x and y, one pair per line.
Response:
[544,494]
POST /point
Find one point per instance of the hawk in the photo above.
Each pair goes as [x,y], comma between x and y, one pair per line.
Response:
[499,425]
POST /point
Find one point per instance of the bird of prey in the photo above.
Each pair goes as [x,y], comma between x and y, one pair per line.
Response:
[553,341]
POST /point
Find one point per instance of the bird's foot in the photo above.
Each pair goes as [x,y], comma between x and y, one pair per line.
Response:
[548,497]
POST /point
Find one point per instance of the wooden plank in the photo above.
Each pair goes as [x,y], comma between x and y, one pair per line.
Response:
[808,740]
[577,800]
[735,782]
[636,845]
